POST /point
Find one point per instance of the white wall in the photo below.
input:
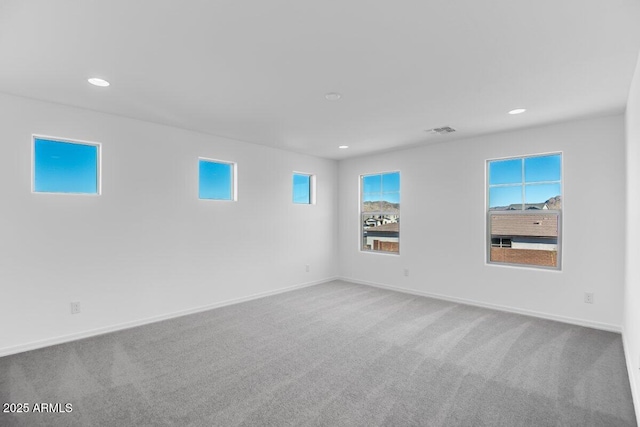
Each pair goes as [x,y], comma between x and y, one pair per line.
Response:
[147,246]
[442,223]
[631,322]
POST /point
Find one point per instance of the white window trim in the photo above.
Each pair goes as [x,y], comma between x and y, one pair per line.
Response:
[360,213]
[234,179]
[561,213]
[67,141]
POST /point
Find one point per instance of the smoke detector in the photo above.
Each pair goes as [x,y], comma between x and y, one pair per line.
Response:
[442,130]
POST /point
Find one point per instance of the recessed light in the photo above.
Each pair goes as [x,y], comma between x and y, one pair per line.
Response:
[517,111]
[343,147]
[98,82]
[333,96]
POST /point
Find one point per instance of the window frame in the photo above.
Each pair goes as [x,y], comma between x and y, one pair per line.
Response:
[98,146]
[559,213]
[234,179]
[361,213]
[312,188]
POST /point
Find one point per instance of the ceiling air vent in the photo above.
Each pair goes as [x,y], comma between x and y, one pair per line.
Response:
[441,131]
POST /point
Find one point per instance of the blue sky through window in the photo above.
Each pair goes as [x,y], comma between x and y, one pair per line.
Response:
[215,180]
[301,188]
[505,196]
[505,172]
[372,184]
[544,168]
[541,180]
[540,193]
[384,186]
[391,182]
[64,167]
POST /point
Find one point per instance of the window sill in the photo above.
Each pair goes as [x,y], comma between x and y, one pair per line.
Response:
[380,253]
[523,267]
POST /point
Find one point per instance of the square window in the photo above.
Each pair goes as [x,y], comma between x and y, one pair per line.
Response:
[216,180]
[303,189]
[65,167]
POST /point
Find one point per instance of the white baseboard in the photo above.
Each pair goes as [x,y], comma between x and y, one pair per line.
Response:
[633,375]
[548,316]
[126,325]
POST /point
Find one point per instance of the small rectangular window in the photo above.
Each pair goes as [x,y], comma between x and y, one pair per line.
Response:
[525,202]
[216,180]
[380,212]
[303,189]
[65,167]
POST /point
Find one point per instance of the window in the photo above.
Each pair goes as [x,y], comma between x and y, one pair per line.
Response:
[65,167]
[303,189]
[217,180]
[525,202]
[380,212]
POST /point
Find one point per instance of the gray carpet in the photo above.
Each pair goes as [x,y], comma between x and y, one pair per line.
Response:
[336,354]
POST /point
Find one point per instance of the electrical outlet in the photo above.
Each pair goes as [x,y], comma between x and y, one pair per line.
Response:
[406,272]
[75,307]
[307,268]
[588,297]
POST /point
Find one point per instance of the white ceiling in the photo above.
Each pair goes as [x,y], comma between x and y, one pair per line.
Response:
[258,70]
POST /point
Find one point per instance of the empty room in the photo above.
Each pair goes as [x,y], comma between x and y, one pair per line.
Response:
[290,213]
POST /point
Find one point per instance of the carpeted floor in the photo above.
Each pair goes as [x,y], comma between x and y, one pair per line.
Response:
[336,354]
